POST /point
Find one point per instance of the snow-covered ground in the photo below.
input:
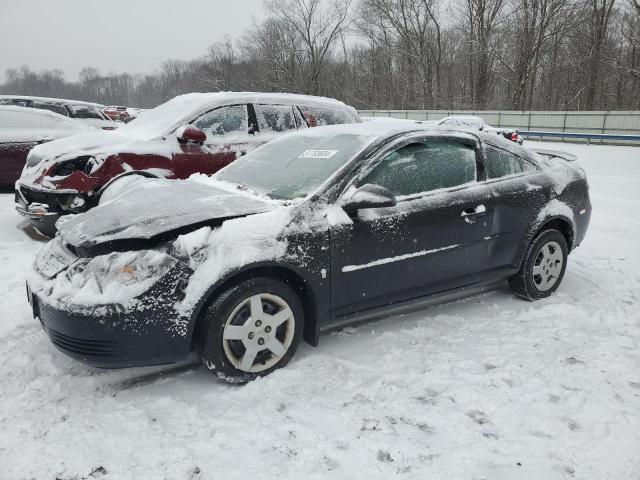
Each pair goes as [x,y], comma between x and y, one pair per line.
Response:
[491,387]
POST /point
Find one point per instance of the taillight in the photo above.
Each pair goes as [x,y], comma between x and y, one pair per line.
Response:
[514,137]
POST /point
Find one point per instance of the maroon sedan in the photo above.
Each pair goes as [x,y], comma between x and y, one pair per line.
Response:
[193,133]
[21,129]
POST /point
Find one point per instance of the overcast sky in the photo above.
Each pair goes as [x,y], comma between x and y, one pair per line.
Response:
[115,35]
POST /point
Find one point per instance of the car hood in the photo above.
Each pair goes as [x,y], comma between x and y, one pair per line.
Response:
[158,209]
[97,143]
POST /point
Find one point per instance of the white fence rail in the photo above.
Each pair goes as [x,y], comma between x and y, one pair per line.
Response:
[624,123]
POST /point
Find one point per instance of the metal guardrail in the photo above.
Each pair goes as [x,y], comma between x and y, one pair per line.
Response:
[581,136]
[602,127]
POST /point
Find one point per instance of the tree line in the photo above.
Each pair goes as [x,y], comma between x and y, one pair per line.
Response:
[400,54]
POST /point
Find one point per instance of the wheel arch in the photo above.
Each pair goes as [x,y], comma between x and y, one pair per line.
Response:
[291,275]
[563,225]
[142,173]
[558,222]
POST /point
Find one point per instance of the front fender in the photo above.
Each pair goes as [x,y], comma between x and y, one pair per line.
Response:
[312,285]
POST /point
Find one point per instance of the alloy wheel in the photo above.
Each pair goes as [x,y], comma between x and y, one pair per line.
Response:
[258,332]
[547,267]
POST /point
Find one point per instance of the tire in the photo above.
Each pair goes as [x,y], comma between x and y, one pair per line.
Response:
[543,267]
[231,334]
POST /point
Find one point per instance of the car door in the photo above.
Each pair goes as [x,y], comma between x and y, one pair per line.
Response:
[12,160]
[431,241]
[227,130]
[520,190]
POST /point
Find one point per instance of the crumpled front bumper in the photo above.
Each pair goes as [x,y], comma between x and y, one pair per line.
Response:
[41,208]
[109,336]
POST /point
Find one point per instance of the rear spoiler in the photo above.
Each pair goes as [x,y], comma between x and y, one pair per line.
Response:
[569,157]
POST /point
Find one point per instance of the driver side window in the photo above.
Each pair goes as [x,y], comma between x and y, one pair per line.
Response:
[423,167]
[224,120]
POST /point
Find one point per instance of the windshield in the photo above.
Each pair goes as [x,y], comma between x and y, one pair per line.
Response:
[157,121]
[295,165]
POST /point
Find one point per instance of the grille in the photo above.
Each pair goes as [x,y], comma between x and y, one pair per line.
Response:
[89,348]
[54,200]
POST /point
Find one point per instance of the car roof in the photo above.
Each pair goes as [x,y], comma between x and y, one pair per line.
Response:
[390,127]
[397,128]
[257,97]
[50,100]
[37,116]
[32,112]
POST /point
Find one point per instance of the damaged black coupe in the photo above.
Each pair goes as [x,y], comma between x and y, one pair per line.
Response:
[313,231]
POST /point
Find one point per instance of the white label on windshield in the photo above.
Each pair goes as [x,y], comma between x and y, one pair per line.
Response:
[318,153]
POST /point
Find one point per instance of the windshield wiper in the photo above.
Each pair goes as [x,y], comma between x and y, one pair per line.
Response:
[246,188]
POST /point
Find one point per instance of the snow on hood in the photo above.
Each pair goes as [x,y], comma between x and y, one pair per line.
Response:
[176,204]
[98,143]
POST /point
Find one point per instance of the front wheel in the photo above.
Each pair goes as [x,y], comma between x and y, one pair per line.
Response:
[251,329]
[543,267]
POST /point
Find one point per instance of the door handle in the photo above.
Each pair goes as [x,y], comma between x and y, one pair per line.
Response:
[469,215]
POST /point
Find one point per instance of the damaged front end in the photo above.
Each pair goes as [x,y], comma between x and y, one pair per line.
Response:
[114,310]
[65,188]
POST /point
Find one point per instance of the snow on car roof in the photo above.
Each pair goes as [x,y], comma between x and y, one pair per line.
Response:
[34,113]
[48,99]
[167,117]
[386,127]
[27,124]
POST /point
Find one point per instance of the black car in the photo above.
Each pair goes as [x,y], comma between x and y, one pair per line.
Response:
[313,231]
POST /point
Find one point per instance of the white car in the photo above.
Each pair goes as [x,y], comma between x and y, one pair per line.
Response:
[85,112]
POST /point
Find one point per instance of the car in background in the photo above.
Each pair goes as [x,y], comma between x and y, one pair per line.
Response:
[85,112]
[120,113]
[116,113]
[314,231]
[193,133]
[477,123]
[21,129]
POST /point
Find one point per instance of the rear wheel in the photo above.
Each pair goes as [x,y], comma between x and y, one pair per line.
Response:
[251,329]
[543,267]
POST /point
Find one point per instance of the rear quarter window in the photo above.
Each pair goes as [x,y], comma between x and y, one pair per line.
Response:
[275,118]
[500,163]
[321,116]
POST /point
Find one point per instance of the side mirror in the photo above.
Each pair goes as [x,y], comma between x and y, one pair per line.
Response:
[369,196]
[189,133]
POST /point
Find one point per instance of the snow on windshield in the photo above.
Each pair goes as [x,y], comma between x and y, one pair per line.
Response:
[295,165]
[157,121]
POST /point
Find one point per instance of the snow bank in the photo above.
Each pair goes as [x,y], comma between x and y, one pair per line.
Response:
[491,387]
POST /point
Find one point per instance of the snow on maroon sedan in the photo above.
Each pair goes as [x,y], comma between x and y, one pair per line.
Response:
[193,133]
[309,233]
[21,129]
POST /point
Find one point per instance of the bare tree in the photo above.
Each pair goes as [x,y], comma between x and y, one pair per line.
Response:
[417,34]
[600,16]
[315,27]
[536,22]
[483,18]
